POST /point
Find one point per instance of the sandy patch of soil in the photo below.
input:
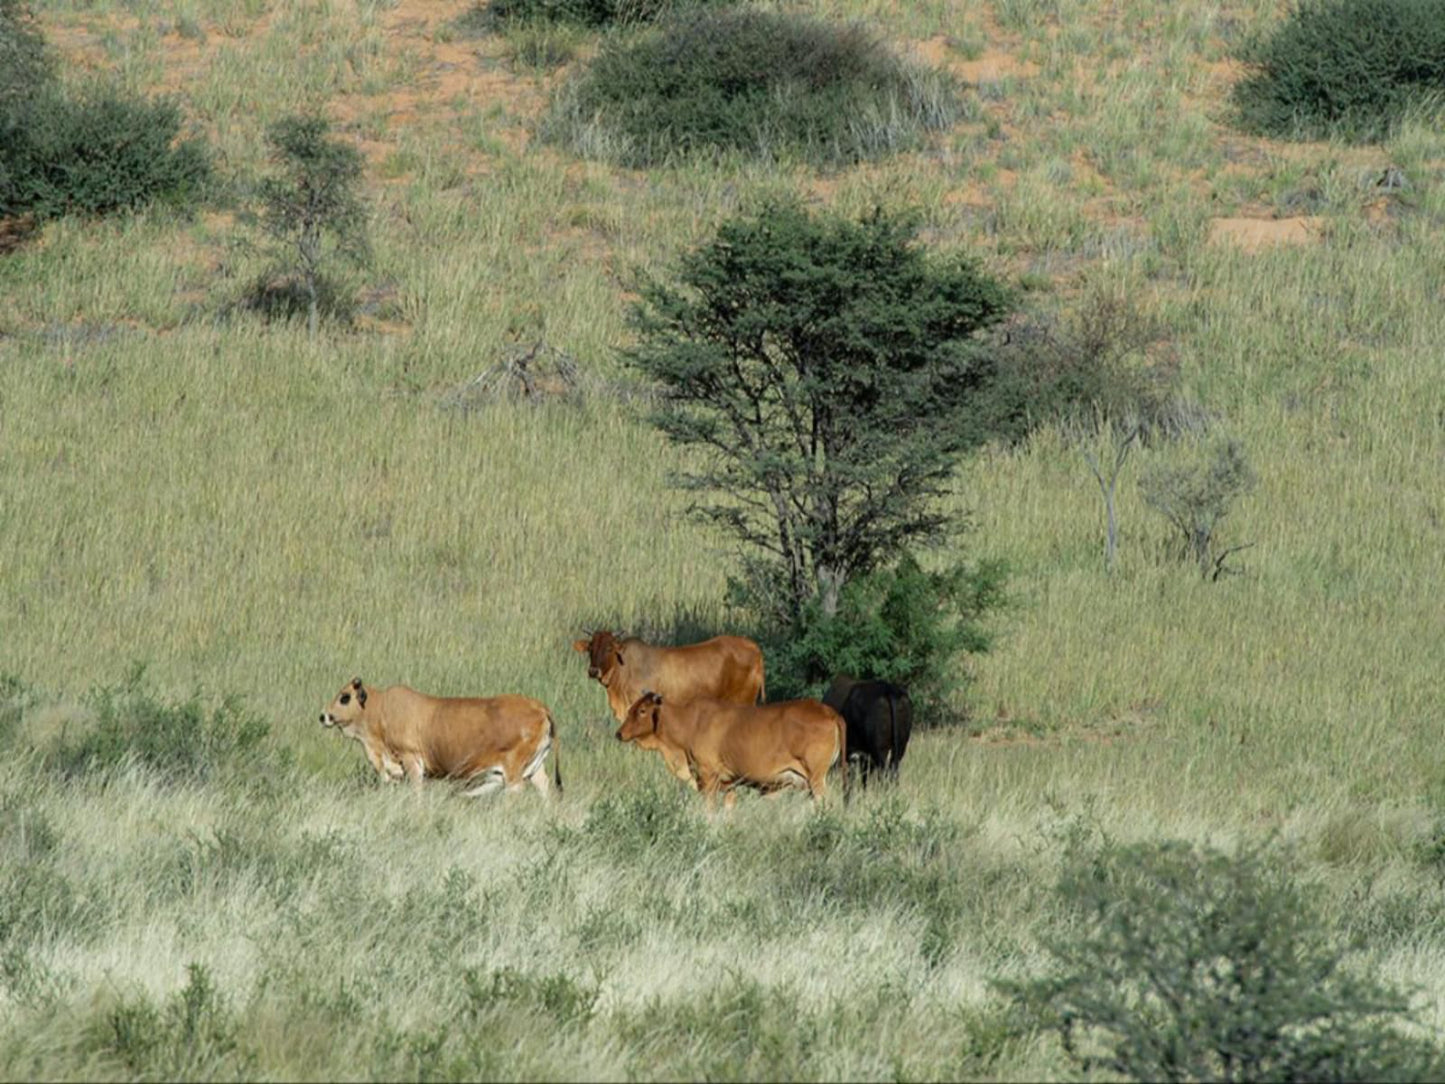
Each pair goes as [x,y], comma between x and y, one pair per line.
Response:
[994,66]
[1257,234]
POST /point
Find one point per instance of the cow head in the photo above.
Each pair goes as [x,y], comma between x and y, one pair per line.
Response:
[604,655]
[641,718]
[348,705]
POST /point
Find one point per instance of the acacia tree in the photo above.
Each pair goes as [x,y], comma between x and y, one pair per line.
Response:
[313,195]
[827,368]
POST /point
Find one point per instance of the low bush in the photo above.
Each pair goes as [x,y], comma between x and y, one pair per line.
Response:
[179,742]
[1185,963]
[758,83]
[26,66]
[193,1036]
[99,153]
[900,623]
[1195,492]
[590,13]
[1351,69]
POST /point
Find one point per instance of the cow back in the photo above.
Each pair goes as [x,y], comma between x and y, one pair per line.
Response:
[727,668]
[756,741]
[459,736]
[879,716]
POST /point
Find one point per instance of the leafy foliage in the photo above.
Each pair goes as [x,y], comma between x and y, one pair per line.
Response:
[1345,68]
[26,66]
[901,624]
[1197,965]
[311,211]
[590,13]
[1196,495]
[188,1037]
[98,154]
[827,370]
[179,742]
[764,84]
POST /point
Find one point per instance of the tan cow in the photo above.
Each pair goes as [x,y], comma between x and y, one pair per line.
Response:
[487,743]
[724,668]
[767,747]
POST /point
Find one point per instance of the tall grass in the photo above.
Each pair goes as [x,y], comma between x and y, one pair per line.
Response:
[257,516]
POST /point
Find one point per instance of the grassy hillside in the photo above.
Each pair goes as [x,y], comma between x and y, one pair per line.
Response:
[247,512]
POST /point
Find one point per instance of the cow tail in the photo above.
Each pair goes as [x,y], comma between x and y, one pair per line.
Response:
[843,754]
[556,758]
[762,681]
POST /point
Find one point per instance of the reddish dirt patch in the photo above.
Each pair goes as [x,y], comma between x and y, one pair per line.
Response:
[1256,234]
[992,67]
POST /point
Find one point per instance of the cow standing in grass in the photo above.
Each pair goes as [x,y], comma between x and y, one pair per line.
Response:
[768,748]
[485,743]
[879,716]
[724,668]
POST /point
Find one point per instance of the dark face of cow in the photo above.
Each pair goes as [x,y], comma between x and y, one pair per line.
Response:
[604,655]
[641,718]
[347,706]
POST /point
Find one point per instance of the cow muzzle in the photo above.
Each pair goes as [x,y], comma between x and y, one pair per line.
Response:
[593,673]
[327,720]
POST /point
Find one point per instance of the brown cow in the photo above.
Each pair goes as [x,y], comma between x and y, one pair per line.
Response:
[726,668]
[768,747]
[499,741]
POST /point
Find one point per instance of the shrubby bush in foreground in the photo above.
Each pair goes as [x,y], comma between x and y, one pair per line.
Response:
[1186,963]
[1346,68]
[759,83]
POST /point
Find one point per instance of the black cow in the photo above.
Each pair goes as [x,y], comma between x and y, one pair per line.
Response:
[879,717]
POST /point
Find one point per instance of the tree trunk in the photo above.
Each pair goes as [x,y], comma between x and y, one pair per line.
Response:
[830,584]
[313,309]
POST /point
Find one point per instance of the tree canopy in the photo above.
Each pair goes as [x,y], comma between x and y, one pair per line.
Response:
[829,372]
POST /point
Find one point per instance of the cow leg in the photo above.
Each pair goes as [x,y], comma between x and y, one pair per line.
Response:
[818,783]
[486,782]
[415,768]
[542,781]
[384,765]
[730,799]
[708,784]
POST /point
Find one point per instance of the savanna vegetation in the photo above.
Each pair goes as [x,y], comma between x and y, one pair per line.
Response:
[1211,803]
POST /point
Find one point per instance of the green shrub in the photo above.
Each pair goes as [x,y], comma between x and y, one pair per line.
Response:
[752,82]
[26,66]
[900,623]
[592,13]
[1195,492]
[314,218]
[98,154]
[179,742]
[193,1036]
[1190,964]
[1345,68]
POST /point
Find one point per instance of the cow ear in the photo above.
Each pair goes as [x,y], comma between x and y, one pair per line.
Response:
[356,683]
[580,645]
[620,662]
[361,696]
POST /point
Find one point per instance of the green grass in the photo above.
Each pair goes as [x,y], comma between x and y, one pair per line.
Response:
[256,515]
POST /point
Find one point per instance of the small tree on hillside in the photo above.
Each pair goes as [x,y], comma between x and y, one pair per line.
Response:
[826,368]
[1195,494]
[311,198]
[1088,372]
